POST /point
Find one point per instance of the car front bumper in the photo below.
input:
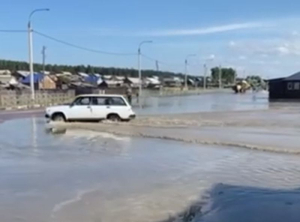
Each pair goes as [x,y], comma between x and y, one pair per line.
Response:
[133,116]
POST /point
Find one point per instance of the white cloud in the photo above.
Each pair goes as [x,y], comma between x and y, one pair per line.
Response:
[204,31]
[232,43]
[295,33]
[242,57]
[268,47]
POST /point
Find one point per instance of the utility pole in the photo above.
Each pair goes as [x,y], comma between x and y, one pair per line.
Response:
[204,78]
[220,77]
[159,77]
[30,49]
[185,74]
[139,65]
[44,58]
[186,70]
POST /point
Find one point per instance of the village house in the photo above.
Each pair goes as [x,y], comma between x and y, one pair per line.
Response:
[152,82]
[82,74]
[6,78]
[5,72]
[20,74]
[40,80]
[132,81]
[111,81]
[173,82]
[92,79]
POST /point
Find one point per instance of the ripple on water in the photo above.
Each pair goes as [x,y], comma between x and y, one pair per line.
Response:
[101,177]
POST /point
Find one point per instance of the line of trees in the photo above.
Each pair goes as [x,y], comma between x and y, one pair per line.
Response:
[228,75]
[16,65]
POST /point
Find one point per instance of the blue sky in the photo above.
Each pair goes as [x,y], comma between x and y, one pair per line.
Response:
[255,37]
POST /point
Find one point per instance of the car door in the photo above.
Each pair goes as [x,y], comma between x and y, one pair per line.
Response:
[118,106]
[81,109]
[99,107]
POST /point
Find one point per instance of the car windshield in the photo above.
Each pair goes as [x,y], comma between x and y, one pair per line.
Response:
[149,111]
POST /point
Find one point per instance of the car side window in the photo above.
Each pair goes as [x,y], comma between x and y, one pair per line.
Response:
[117,101]
[83,101]
[100,101]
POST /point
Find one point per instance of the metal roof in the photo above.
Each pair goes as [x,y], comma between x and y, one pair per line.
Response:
[23,73]
[294,77]
[37,77]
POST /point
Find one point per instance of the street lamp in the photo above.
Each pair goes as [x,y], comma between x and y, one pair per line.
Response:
[186,69]
[139,65]
[211,58]
[30,46]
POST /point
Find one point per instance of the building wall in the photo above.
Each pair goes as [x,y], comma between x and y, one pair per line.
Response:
[276,89]
[280,89]
[47,83]
[292,89]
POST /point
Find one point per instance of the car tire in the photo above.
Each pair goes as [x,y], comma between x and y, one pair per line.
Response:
[59,117]
[114,117]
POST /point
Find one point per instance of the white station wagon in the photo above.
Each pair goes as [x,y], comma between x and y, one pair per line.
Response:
[93,107]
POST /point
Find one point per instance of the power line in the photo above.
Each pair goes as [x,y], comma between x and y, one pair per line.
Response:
[159,62]
[11,31]
[82,48]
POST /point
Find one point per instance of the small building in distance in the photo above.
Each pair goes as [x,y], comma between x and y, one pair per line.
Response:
[173,82]
[132,81]
[92,79]
[20,74]
[285,88]
[7,79]
[152,82]
[41,81]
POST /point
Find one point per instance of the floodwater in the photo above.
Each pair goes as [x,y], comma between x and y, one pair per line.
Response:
[225,101]
[80,175]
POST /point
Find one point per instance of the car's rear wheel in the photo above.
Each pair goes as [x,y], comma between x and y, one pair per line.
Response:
[114,117]
[58,117]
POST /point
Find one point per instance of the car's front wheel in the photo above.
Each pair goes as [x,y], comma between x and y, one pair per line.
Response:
[58,117]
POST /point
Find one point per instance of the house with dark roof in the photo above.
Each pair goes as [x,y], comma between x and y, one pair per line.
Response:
[285,88]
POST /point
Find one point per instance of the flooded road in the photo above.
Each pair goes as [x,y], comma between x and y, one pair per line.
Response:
[81,175]
[225,101]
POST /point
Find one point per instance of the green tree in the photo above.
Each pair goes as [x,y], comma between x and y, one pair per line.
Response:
[228,75]
[21,65]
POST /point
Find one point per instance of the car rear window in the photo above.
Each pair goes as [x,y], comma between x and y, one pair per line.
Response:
[117,101]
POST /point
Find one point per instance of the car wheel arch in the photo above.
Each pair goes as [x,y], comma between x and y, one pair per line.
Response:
[58,113]
[113,114]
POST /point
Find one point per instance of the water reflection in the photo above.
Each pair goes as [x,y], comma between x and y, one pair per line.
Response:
[83,134]
[203,103]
